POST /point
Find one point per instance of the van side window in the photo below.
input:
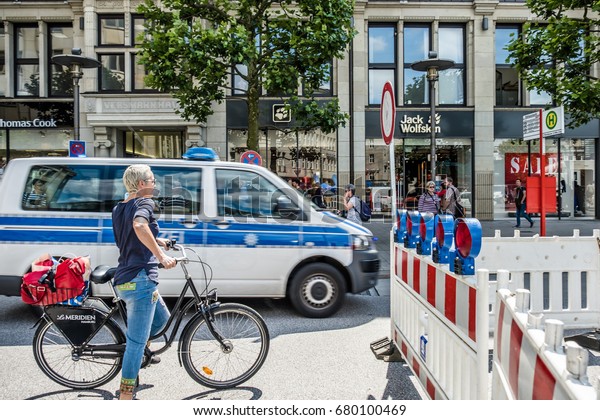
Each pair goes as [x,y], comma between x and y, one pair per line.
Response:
[178,190]
[244,194]
[63,188]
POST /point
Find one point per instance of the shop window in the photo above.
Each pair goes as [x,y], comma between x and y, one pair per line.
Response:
[41,142]
[154,144]
[382,59]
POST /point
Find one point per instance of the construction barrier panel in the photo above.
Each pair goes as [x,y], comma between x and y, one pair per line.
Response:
[562,273]
[442,308]
[530,360]
[440,324]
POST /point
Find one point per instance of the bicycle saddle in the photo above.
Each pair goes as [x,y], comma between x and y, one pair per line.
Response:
[102,274]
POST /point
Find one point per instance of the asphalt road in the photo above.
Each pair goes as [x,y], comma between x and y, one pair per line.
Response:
[309,359]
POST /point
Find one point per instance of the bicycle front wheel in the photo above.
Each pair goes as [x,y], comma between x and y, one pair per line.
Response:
[77,367]
[246,344]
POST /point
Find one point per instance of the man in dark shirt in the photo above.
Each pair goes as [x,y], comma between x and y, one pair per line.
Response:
[520,201]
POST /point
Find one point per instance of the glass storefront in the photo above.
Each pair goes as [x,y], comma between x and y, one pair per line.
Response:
[34,143]
[569,161]
[454,159]
[154,144]
[310,157]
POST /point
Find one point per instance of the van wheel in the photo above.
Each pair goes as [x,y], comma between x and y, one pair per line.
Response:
[317,290]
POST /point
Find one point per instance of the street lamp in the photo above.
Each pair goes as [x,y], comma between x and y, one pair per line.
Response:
[76,62]
[432,66]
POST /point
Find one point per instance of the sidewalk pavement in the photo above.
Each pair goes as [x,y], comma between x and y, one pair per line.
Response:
[381,228]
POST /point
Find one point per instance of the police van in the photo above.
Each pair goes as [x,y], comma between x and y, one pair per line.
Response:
[259,236]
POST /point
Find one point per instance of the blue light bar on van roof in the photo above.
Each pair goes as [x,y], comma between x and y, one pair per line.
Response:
[201,153]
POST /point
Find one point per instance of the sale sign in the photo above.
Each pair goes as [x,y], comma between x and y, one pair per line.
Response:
[517,166]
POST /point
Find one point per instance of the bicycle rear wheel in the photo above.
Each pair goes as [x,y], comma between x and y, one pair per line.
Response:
[247,343]
[77,367]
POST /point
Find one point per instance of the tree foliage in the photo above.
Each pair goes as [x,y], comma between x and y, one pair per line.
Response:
[193,47]
[556,56]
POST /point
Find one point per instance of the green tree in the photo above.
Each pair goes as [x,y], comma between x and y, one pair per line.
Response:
[557,56]
[192,47]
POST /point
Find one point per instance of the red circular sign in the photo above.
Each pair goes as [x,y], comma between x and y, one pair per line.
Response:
[251,157]
[387,112]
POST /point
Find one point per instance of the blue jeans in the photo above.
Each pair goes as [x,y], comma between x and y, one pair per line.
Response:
[147,314]
[521,212]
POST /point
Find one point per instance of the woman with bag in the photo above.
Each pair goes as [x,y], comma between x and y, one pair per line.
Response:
[429,200]
[136,279]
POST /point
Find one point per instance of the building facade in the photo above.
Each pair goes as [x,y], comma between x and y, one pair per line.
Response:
[480,103]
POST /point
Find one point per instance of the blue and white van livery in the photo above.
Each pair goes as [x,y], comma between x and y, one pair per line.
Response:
[260,237]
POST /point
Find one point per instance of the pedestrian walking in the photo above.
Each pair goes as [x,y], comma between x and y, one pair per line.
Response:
[521,203]
[352,204]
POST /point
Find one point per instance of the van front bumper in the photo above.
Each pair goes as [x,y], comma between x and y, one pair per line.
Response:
[10,286]
[364,270]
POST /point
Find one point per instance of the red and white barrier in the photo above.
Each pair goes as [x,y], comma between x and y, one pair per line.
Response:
[562,273]
[530,364]
[440,325]
[440,321]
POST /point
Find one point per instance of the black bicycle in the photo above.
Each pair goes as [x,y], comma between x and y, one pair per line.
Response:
[222,345]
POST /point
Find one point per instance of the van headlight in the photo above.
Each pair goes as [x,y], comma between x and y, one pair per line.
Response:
[360,243]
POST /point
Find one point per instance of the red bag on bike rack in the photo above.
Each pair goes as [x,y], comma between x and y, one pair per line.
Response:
[50,283]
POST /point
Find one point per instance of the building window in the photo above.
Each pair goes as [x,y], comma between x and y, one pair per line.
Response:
[27,61]
[111,30]
[139,75]
[451,85]
[2,62]
[112,72]
[240,82]
[382,59]
[507,80]
[137,29]
[325,87]
[417,44]
[60,42]
[540,97]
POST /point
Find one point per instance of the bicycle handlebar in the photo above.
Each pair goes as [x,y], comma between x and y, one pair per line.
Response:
[176,247]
